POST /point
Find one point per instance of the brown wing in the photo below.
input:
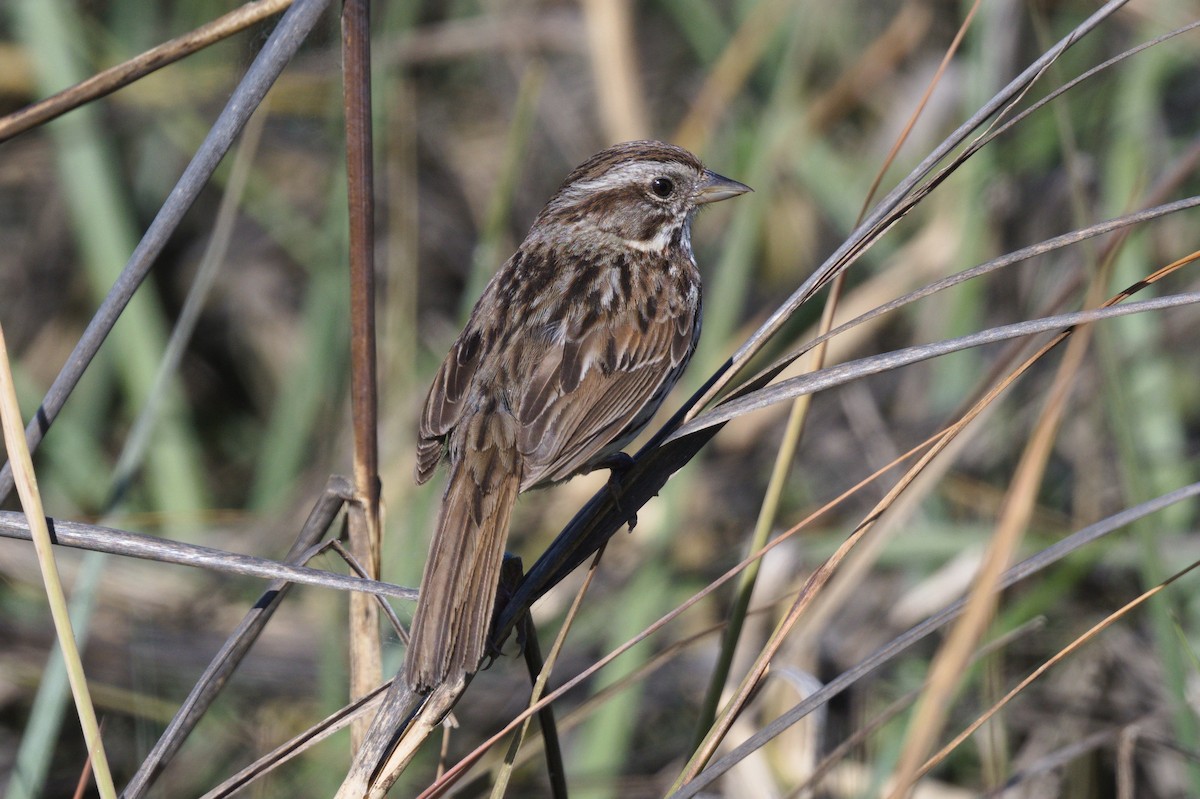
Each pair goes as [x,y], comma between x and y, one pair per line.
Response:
[447,399]
[595,388]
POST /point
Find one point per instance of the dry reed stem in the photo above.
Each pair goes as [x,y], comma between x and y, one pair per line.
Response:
[366,649]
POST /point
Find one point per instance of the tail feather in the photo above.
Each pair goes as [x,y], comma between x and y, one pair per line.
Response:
[458,589]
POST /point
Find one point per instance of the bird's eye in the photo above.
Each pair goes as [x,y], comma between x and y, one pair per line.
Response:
[662,187]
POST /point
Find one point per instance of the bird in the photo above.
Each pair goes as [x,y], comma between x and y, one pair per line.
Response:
[566,356]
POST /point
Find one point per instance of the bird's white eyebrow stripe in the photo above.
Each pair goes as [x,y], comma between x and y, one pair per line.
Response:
[623,174]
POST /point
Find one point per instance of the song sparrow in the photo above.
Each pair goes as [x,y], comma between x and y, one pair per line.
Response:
[567,355]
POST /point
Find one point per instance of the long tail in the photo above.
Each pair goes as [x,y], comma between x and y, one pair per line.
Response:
[458,589]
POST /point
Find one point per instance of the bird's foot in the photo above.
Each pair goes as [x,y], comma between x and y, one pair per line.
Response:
[618,465]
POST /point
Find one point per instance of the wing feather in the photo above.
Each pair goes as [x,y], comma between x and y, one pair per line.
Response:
[445,403]
[588,395]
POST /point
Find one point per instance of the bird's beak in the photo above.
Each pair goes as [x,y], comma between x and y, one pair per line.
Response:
[715,188]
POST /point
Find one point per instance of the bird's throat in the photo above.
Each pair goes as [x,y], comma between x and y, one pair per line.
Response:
[664,237]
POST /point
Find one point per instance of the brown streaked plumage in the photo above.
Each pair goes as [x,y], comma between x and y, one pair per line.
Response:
[567,355]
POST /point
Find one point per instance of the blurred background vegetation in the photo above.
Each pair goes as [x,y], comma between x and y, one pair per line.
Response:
[482,107]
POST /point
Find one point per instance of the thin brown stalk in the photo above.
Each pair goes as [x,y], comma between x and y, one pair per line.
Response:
[1126,746]
[366,653]
[116,77]
[384,608]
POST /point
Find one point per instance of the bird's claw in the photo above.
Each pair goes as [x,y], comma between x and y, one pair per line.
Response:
[618,465]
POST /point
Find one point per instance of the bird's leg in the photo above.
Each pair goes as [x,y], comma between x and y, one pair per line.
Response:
[618,465]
